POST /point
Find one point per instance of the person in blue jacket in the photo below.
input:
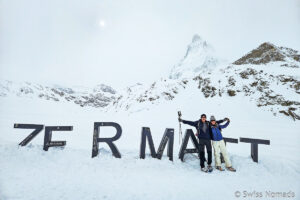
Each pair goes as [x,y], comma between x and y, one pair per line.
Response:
[219,144]
[204,135]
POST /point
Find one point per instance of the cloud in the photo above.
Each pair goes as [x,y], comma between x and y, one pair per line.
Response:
[61,41]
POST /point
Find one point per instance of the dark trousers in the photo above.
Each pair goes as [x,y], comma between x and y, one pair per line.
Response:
[202,144]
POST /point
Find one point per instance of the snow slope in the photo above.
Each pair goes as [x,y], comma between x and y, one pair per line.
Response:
[29,173]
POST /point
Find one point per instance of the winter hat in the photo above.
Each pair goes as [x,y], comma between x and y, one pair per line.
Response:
[212,118]
[203,115]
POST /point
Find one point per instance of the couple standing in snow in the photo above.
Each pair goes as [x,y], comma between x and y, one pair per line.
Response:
[207,131]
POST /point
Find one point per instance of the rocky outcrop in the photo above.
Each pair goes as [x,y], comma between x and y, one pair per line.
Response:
[99,96]
[267,53]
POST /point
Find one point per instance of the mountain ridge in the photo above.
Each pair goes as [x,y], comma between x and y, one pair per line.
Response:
[274,88]
[99,96]
[269,76]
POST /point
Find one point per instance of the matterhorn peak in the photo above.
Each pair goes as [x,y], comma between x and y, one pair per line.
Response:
[197,45]
[199,56]
[196,38]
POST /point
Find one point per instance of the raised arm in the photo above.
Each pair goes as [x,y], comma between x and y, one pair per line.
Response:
[220,121]
[225,125]
[191,123]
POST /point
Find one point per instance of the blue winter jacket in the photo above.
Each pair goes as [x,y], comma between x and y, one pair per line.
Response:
[216,131]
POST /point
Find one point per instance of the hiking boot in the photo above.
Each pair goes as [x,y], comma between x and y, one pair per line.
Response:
[219,168]
[231,169]
[209,168]
[204,169]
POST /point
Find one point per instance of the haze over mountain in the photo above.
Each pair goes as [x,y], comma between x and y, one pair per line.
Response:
[268,76]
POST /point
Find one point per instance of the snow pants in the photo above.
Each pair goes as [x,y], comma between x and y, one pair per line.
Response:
[219,147]
[202,144]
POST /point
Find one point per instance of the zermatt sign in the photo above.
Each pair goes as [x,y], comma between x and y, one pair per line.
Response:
[168,138]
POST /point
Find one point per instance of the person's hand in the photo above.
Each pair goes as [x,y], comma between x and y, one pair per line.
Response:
[179,119]
[227,119]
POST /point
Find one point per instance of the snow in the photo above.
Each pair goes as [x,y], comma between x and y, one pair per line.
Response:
[31,173]
[72,174]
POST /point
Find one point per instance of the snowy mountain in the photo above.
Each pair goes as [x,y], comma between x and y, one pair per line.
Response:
[99,96]
[268,76]
[199,57]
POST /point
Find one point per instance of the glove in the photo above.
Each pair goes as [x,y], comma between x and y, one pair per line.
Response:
[179,119]
[227,119]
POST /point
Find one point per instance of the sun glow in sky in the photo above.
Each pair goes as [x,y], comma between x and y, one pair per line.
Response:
[120,43]
[102,23]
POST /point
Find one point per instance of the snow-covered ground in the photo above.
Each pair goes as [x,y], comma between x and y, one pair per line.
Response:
[31,173]
[262,101]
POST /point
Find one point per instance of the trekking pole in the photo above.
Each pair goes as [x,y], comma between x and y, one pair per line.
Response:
[180,131]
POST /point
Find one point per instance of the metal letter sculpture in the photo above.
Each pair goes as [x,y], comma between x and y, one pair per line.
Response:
[38,128]
[183,149]
[168,137]
[48,136]
[254,146]
[109,141]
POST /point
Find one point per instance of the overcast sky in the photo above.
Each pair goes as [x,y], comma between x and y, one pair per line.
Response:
[120,42]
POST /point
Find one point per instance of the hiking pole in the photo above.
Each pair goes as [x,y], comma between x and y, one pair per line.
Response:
[180,131]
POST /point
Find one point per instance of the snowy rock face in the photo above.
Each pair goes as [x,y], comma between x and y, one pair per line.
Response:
[104,88]
[100,96]
[138,97]
[274,89]
[199,57]
[268,76]
[267,53]
[271,76]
